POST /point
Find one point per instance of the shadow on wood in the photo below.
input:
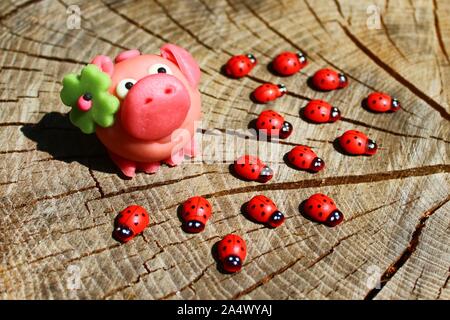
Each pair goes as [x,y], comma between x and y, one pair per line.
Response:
[55,135]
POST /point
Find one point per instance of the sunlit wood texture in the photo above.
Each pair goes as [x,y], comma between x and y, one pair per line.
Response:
[60,192]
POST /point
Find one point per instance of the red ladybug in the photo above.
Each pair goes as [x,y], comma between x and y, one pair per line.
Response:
[321,208]
[319,111]
[239,66]
[357,143]
[304,158]
[130,222]
[327,79]
[273,124]
[382,102]
[262,209]
[195,213]
[287,63]
[231,251]
[252,168]
[268,92]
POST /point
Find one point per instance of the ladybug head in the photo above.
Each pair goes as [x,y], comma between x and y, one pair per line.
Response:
[266,174]
[317,164]
[335,114]
[371,147]
[193,226]
[395,104]
[343,81]
[252,58]
[276,219]
[301,57]
[334,218]
[282,89]
[286,130]
[123,233]
[232,263]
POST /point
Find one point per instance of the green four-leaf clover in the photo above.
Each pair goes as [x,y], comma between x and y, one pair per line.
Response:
[95,83]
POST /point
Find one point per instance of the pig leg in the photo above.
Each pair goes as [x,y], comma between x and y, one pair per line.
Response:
[191,149]
[127,167]
[150,167]
[175,159]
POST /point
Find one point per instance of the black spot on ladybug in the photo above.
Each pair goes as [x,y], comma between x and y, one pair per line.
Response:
[319,206]
[224,248]
[240,69]
[201,208]
[229,241]
[243,165]
[128,211]
[253,170]
[267,86]
[359,143]
[204,216]
[295,64]
[310,207]
[322,80]
[332,203]
[301,154]
[303,162]
[239,241]
[324,200]
[320,214]
[143,214]
[253,206]
[323,114]
[380,98]
[192,207]
[273,127]
[263,213]
[304,149]
[136,215]
[136,223]
[261,205]
[263,123]
[242,248]
[373,102]
[312,111]
[270,120]
[347,142]
[355,137]
[207,205]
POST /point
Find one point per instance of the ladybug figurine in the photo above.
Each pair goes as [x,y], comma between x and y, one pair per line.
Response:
[322,209]
[252,168]
[231,252]
[262,209]
[130,222]
[287,63]
[268,92]
[319,111]
[357,143]
[241,65]
[272,123]
[195,213]
[304,158]
[327,79]
[382,102]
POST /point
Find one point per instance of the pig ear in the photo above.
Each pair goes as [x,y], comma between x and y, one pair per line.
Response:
[184,61]
[124,55]
[104,63]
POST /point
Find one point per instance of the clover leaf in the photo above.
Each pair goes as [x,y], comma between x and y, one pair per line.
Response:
[93,84]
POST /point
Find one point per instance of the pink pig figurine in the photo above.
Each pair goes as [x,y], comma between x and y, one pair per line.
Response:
[159,105]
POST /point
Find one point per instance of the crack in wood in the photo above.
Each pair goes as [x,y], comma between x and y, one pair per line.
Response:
[438,32]
[397,76]
[407,252]
[336,180]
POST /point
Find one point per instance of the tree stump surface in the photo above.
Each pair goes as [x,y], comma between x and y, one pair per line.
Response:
[60,192]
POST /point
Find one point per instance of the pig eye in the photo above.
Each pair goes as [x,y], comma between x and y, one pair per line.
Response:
[159,68]
[123,87]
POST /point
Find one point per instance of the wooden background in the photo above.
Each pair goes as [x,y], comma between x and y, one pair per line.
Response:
[60,192]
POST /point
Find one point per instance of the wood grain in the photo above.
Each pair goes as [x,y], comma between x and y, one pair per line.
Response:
[59,192]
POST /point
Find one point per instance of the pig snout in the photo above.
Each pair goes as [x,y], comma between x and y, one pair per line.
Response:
[154,107]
